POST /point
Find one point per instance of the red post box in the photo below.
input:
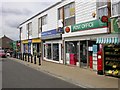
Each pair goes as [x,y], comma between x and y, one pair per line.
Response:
[91,62]
[99,63]
[73,59]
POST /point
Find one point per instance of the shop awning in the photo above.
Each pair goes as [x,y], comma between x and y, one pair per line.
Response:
[25,41]
[36,40]
[110,40]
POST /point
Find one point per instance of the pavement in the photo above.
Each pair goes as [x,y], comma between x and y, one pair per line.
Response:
[85,78]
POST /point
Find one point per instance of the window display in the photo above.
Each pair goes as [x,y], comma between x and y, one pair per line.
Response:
[56,52]
[48,46]
[83,53]
[112,60]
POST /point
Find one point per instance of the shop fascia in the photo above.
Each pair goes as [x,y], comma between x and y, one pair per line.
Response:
[88,25]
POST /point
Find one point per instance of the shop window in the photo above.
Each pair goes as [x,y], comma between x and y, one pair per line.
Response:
[39,25]
[48,49]
[116,9]
[29,47]
[62,52]
[56,52]
[102,8]
[71,47]
[34,49]
[44,20]
[44,50]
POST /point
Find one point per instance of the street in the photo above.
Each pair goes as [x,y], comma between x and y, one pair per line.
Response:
[16,75]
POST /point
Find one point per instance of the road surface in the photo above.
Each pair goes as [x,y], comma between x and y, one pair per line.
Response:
[17,75]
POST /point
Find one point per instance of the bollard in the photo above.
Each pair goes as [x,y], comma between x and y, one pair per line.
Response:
[17,55]
[21,56]
[35,59]
[38,56]
[28,57]
[25,57]
[39,61]
[31,59]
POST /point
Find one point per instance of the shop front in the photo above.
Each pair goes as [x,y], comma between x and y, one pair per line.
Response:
[25,46]
[36,46]
[80,52]
[80,45]
[110,55]
[29,46]
[109,52]
[52,46]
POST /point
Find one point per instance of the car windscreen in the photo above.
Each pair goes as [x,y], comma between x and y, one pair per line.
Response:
[2,51]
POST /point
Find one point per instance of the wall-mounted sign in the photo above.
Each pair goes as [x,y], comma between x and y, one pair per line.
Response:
[67,29]
[29,41]
[88,25]
[115,25]
[95,48]
[51,32]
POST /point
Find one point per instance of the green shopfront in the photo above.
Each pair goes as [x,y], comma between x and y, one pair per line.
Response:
[110,50]
[80,47]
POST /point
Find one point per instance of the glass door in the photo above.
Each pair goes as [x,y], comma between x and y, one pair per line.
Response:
[83,54]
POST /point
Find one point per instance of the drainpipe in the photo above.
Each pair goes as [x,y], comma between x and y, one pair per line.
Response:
[20,40]
[109,15]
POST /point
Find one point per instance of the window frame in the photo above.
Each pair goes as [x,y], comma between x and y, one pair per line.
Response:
[40,25]
[44,20]
[118,13]
[102,7]
[69,6]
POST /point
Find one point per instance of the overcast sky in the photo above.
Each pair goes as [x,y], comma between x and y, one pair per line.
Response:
[14,12]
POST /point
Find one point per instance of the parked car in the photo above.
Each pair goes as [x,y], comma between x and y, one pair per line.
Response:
[8,54]
[2,54]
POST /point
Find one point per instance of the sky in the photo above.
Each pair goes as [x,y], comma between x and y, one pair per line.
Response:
[14,12]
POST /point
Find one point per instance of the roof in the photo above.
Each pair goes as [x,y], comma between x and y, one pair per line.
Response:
[42,12]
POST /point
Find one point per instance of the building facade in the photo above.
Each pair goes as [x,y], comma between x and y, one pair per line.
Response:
[74,33]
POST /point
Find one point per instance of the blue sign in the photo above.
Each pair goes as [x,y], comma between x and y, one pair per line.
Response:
[52,32]
[94,48]
[29,41]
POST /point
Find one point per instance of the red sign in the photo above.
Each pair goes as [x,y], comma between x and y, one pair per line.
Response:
[67,29]
[104,19]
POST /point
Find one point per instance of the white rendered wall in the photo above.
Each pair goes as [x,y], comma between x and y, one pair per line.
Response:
[84,10]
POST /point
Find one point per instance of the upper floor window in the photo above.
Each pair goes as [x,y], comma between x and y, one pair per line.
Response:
[60,14]
[29,28]
[66,15]
[69,10]
[116,8]
[102,8]
[44,20]
[39,25]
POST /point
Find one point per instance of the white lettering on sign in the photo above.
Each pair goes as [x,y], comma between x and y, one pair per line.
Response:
[83,26]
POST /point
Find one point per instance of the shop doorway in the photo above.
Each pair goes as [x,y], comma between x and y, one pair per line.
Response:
[83,54]
[71,52]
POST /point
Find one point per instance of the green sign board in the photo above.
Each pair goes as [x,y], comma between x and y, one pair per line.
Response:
[114,26]
[88,25]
